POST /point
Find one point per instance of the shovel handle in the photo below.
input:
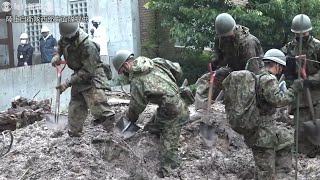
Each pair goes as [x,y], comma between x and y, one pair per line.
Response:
[58,69]
[307,91]
[210,87]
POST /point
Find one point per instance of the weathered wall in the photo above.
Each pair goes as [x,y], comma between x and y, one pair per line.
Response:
[27,81]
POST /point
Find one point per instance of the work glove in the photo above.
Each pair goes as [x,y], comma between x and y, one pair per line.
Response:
[186,93]
[62,87]
[221,74]
[25,64]
[297,85]
[55,61]
[283,86]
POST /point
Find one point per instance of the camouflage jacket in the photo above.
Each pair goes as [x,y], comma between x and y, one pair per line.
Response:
[236,53]
[82,56]
[153,83]
[312,50]
[269,95]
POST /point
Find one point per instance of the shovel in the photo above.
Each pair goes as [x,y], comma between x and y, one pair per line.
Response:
[56,120]
[125,128]
[311,128]
[207,132]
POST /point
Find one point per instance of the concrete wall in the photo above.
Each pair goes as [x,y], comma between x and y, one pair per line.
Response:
[27,81]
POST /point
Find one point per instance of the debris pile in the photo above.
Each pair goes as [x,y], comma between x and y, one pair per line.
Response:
[23,112]
[42,153]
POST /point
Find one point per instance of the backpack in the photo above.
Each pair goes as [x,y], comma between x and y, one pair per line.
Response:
[240,99]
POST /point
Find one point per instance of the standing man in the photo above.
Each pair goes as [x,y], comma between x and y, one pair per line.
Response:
[154,81]
[25,51]
[99,36]
[47,44]
[310,50]
[233,46]
[88,81]
[271,145]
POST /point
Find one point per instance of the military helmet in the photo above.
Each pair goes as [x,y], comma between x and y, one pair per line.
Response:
[275,55]
[224,24]
[120,57]
[301,23]
[68,29]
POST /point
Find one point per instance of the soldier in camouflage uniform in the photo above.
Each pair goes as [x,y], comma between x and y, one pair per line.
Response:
[88,81]
[233,46]
[271,145]
[154,81]
[310,49]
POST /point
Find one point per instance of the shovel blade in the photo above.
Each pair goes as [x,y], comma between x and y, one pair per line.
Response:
[208,135]
[125,128]
[52,124]
[312,130]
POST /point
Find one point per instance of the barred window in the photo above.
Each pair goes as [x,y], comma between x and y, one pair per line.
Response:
[33,8]
[79,8]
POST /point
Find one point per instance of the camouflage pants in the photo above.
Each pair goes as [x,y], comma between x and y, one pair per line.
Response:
[271,147]
[304,145]
[93,99]
[169,132]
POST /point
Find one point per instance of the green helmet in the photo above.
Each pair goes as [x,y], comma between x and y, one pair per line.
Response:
[275,55]
[301,23]
[224,24]
[68,29]
[120,57]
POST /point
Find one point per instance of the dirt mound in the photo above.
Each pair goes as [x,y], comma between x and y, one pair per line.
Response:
[42,153]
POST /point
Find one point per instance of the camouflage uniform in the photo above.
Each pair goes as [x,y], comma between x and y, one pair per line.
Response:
[153,82]
[88,82]
[271,145]
[311,48]
[233,54]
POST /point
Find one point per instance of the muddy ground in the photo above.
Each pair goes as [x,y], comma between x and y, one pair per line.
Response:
[42,153]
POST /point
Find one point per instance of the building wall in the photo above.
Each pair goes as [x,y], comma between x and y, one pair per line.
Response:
[155,40]
[27,81]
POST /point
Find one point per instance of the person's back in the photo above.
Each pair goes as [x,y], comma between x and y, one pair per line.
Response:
[271,144]
[149,82]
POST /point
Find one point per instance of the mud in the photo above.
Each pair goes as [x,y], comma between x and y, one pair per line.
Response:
[42,153]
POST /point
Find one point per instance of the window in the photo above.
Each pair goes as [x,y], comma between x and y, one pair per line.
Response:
[79,8]
[33,8]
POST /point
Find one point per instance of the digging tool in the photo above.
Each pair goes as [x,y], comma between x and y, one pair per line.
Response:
[311,128]
[125,128]
[56,120]
[207,132]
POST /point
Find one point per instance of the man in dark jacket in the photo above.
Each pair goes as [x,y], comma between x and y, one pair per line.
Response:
[25,51]
[47,43]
